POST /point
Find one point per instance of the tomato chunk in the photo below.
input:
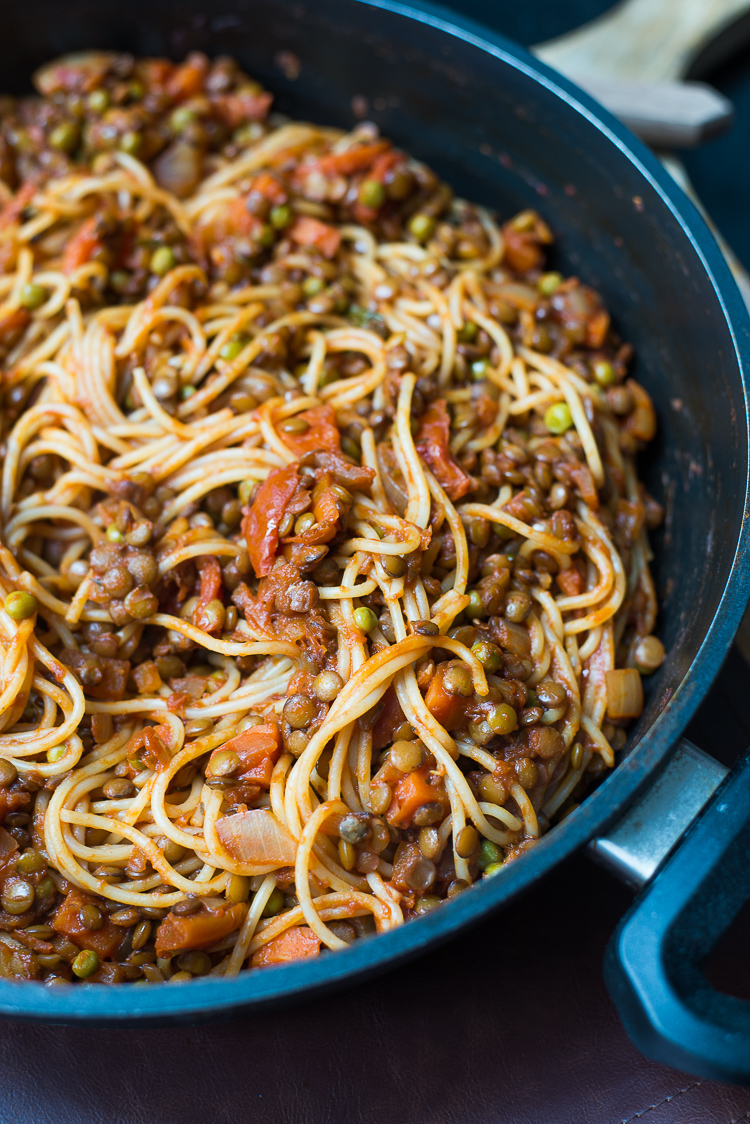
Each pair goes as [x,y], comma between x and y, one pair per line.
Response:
[322,432]
[293,944]
[432,444]
[261,523]
[82,245]
[258,750]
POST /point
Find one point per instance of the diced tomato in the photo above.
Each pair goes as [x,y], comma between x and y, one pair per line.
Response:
[82,245]
[258,749]
[293,944]
[433,444]
[270,188]
[322,433]
[210,590]
[237,108]
[11,801]
[13,324]
[187,80]
[354,160]
[641,422]
[581,476]
[67,920]
[14,208]
[147,750]
[261,523]
[570,582]
[410,793]
[308,231]
[155,73]
[389,720]
[181,932]
[597,328]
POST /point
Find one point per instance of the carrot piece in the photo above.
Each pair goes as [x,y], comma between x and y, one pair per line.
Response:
[410,793]
[293,944]
[448,709]
[81,246]
[308,231]
[355,160]
[179,933]
[67,920]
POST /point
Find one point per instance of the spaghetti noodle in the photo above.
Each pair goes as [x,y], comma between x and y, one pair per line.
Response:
[324,565]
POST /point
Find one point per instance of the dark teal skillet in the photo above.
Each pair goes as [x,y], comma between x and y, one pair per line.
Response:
[506,131]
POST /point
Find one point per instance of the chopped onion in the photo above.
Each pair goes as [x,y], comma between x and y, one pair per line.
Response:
[256,838]
[624,693]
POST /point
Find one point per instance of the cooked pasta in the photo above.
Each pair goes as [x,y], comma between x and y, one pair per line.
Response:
[323,558]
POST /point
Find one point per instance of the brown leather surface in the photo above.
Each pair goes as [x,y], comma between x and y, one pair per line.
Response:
[510,1024]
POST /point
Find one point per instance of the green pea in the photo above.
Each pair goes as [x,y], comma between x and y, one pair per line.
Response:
[33,295]
[85,964]
[64,137]
[181,118]
[162,260]
[548,283]
[20,605]
[275,903]
[558,418]
[604,372]
[475,608]
[56,753]
[422,226]
[479,368]
[98,101]
[489,853]
[487,654]
[186,392]
[234,346]
[468,333]
[113,535]
[365,619]
[266,236]
[502,718]
[131,142]
[280,216]
[493,868]
[371,194]
[136,91]
[119,279]
[311,286]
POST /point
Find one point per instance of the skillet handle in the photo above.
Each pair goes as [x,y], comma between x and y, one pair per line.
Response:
[654,963]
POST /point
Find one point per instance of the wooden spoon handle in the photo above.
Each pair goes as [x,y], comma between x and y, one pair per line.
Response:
[644,40]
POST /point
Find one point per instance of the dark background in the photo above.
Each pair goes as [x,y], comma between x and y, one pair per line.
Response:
[510,1024]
